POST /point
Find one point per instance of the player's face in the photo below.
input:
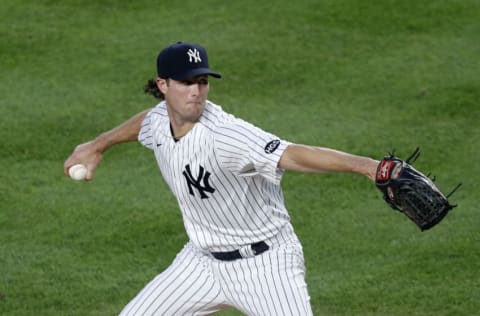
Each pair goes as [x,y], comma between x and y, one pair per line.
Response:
[186,99]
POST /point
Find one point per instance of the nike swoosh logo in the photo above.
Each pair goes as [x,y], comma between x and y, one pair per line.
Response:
[158,145]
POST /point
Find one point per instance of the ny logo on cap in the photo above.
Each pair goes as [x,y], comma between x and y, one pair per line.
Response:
[194,56]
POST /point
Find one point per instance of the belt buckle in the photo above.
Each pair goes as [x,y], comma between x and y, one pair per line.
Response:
[247,252]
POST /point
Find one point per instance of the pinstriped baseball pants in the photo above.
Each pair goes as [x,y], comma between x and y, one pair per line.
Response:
[270,284]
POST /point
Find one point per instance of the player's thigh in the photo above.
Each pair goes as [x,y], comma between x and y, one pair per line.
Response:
[270,284]
[186,287]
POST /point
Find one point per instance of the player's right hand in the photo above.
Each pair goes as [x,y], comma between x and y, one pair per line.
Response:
[86,154]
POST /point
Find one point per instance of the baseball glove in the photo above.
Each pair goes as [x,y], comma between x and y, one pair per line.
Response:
[411,192]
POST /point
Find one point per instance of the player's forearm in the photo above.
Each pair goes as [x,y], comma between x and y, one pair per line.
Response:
[317,159]
[125,132]
[90,153]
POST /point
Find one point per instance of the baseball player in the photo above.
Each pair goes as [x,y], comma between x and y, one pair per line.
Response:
[225,173]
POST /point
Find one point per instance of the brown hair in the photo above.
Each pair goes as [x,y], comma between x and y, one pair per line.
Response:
[152,88]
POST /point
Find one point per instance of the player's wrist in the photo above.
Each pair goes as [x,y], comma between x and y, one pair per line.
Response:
[372,169]
[369,168]
[103,142]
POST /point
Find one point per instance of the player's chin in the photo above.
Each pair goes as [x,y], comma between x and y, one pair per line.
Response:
[195,109]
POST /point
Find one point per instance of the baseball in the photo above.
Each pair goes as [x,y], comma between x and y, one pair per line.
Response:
[78,172]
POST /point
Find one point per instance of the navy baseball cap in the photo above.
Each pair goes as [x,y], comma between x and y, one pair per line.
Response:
[182,61]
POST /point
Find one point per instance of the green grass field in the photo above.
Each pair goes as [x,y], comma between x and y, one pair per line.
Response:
[359,76]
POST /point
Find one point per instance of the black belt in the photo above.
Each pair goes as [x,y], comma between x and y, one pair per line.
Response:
[257,248]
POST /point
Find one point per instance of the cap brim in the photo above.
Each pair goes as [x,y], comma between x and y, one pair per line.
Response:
[196,72]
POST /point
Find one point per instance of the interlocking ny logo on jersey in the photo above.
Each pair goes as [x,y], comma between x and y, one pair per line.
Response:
[203,176]
[194,56]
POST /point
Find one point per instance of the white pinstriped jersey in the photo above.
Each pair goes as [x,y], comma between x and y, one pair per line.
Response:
[224,175]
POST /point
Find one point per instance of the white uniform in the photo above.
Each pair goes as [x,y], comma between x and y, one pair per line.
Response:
[224,175]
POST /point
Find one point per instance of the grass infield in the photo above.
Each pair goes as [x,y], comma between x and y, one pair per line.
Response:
[360,76]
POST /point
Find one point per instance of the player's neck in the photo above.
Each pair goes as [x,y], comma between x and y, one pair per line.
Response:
[178,131]
[181,121]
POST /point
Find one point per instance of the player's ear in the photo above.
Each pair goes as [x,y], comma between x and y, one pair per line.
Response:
[162,84]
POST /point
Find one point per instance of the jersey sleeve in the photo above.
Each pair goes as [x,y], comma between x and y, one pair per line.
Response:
[247,150]
[151,123]
[145,136]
